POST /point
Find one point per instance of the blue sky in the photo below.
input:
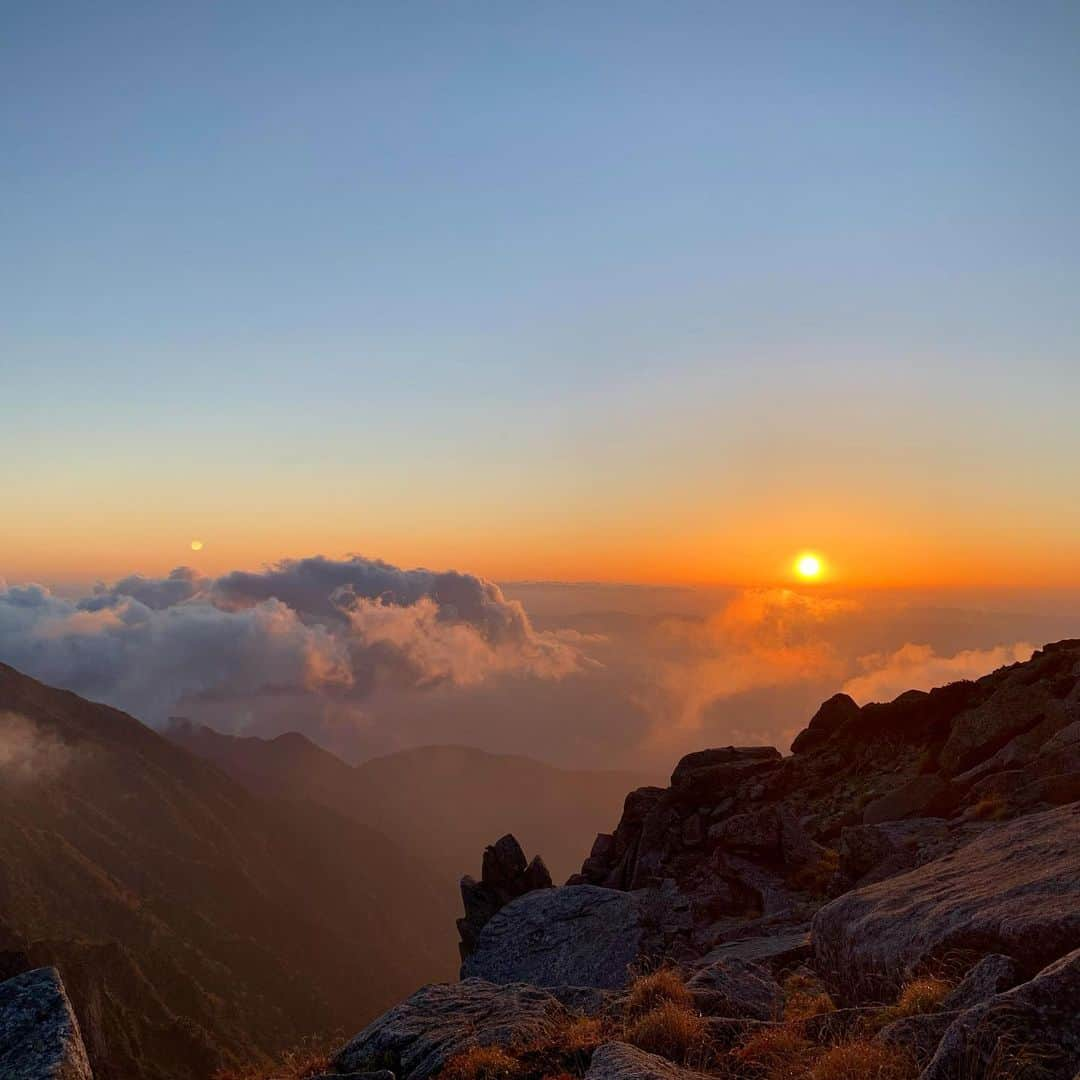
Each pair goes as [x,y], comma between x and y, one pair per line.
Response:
[430,268]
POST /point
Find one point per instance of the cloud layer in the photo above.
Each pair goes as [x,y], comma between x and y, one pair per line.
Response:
[332,629]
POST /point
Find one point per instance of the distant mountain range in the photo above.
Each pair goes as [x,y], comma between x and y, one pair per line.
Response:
[198,920]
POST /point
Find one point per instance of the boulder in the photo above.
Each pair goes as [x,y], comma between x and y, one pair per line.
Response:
[505,875]
[992,975]
[918,1036]
[706,776]
[577,935]
[736,988]
[1036,1023]
[870,853]
[919,797]
[832,716]
[620,1061]
[39,1035]
[776,950]
[1014,890]
[416,1038]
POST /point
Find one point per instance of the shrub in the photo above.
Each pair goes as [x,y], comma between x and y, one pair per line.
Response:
[671,1030]
[990,808]
[482,1063]
[814,877]
[649,991]
[777,1053]
[863,1060]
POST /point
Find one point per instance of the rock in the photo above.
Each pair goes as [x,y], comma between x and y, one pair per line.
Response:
[755,833]
[1037,1022]
[737,988]
[992,975]
[505,875]
[832,716]
[579,935]
[917,798]
[620,1061]
[377,1074]
[708,775]
[870,853]
[39,1035]
[416,1038]
[778,950]
[1014,890]
[917,1035]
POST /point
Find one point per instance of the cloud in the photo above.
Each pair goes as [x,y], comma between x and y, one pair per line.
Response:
[334,630]
[918,667]
[27,752]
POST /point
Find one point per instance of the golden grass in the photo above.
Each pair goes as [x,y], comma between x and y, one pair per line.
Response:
[777,1053]
[805,996]
[671,1030]
[922,995]
[990,808]
[863,1060]
[649,991]
[482,1063]
[814,877]
[309,1058]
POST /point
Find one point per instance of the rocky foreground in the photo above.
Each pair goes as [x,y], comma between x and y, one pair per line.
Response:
[898,898]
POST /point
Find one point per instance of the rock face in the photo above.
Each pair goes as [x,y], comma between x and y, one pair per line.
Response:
[505,875]
[1015,890]
[579,935]
[918,797]
[620,1061]
[416,1038]
[1036,1023]
[39,1035]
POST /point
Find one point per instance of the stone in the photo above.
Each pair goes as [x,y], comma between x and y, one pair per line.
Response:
[1038,1021]
[505,875]
[737,988]
[917,798]
[580,935]
[917,1035]
[416,1038]
[1014,890]
[992,975]
[830,717]
[756,832]
[620,1061]
[775,950]
[870,853]
[39,1035]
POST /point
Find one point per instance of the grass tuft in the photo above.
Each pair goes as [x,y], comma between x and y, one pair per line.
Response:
[649,991]
[672,1030]
[482,1063]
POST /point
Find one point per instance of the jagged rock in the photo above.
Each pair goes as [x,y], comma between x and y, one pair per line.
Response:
[579,935]
[919,797]
[1014,890]
[737,988]
[918,1035]
[39,1035]
[832,716]
[992,975]
[620,1061]
[710,774]
[756,832]
[1037,1022]
[505,875]
[416,1038]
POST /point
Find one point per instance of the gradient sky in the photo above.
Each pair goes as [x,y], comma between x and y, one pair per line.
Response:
[612,291]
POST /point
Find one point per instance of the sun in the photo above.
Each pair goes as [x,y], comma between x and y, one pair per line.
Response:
[196,545]
[808,566]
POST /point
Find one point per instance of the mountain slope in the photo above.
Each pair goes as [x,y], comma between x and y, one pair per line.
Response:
[192,921]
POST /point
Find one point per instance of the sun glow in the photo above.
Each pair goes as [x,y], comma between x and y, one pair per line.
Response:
[196,545]
[808,566]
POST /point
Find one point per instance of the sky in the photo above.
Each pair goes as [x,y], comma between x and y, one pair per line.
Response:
[630,292]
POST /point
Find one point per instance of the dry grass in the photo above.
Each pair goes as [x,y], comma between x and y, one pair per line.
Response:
[649,991]
[310,1058]
[673,1031]
[919,996]
[814,877]
[777,1053]
[863,1060]
[805,996]
[482,1063]
[990,808]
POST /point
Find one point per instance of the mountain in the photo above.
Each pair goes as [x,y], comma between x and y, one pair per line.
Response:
[440,802]
[193,922]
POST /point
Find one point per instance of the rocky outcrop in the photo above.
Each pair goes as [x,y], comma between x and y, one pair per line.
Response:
[1015,890]
[39,1035]
[620,1061]
[830,718]
[418,1037]
[579,935]
[1033,1029]
[919,797]
[505,875]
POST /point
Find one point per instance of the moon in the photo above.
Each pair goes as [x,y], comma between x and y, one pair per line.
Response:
[196,545]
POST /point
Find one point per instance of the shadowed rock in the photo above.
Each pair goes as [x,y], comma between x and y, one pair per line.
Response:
[39,1035]
[738,989]
[620,1061]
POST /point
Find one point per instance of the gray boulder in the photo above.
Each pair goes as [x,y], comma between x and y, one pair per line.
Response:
[578,935]
[39,1035]
[416,1038]
[1034,1024]
[992,975]
[738,989]
[870,853]
[775,950]
[918,1036]
[620,1061]
[1014,890]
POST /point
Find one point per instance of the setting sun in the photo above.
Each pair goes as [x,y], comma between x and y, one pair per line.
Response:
[808,567]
